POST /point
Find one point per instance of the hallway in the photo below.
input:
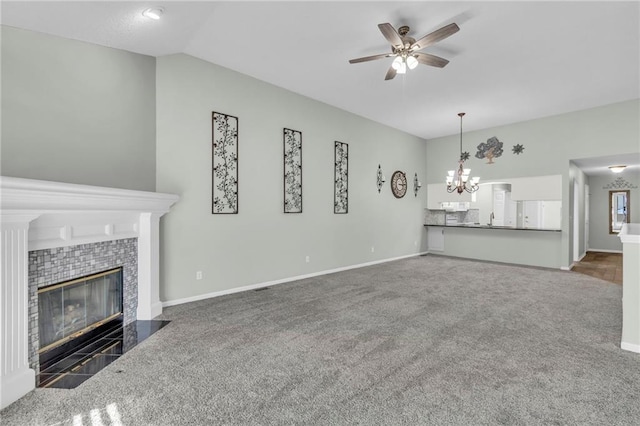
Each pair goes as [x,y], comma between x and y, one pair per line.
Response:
[606,266]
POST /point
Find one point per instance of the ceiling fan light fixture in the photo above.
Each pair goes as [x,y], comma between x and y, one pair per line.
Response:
[405,49]
[412,62]
[402,69]
[153,13]
[397,63]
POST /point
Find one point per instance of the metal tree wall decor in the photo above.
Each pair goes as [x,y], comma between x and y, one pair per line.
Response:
[292,140]
[490,149]
[225,164]
[341,183]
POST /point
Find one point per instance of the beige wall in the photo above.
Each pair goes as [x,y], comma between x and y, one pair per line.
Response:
[261,243]
[76,112]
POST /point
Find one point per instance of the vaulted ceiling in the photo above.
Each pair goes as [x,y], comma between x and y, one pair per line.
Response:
[510,61]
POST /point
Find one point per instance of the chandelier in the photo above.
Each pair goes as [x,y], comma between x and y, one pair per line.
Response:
[458,180]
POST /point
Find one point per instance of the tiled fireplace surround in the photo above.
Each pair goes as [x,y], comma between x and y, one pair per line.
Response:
[52,232]
[54,265]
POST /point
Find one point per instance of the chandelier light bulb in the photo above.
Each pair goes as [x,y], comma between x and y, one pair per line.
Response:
[463,181]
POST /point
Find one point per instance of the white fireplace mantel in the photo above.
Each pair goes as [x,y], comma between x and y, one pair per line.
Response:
[37,215]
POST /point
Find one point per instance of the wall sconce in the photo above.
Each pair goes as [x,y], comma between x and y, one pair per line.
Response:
[416,185]
[380,178]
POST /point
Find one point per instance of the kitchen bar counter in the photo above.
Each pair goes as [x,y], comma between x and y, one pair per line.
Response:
[479,226]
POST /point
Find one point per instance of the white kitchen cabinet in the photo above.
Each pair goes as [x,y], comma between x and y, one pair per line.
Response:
[437,193]
[435,238]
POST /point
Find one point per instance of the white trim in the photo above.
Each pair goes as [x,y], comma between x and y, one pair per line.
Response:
[630,347]
[570,267]
[29,195]
[16,385]
[281,281]
[630,233]
[604,250]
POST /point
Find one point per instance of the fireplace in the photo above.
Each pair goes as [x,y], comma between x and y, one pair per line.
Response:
[72,309]
[61,271]
[42,225]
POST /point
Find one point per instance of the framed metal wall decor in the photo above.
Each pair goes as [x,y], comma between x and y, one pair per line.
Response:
[225,164]
[292,141]
[341,182]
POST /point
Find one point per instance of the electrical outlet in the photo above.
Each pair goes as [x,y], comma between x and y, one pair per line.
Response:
[373,249]
[307,259]
[415,243]
[198,275]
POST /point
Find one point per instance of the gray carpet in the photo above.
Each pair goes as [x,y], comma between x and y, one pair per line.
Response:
[428,340]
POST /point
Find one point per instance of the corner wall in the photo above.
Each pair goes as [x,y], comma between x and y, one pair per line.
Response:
[76,112]
[261,243]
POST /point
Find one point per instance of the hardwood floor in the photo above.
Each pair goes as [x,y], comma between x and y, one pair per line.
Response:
[606,266]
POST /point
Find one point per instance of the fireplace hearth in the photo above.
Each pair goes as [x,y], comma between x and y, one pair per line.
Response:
[93,352]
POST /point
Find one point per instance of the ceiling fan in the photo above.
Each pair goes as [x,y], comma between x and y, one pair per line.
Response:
[405,49]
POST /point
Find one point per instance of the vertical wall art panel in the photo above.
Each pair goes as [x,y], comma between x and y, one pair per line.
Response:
[292,140]
[341,194]
[225,164]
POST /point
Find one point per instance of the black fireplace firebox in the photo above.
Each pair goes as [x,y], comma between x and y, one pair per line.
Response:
[72,312]
[70,309]
[82,328]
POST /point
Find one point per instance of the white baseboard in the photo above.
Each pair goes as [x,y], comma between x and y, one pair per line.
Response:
[630,347]
[281,281]
[604,250]
[570,267]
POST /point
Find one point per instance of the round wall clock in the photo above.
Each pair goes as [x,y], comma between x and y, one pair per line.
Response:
[398,184]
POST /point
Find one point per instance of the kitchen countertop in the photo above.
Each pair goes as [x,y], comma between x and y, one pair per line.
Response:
[480,226]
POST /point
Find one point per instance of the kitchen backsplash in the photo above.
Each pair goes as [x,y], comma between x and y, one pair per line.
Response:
[441,217]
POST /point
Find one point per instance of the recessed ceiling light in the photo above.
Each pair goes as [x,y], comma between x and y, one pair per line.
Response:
[153,13]
[617,169]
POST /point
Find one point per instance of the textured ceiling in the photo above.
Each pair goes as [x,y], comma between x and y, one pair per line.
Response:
[510,61]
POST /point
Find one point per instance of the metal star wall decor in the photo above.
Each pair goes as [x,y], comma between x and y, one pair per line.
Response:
[517,149]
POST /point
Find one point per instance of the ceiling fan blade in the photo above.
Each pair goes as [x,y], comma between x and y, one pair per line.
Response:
[390,74]
[435,37]
[390,34]
[370,58]
[434,61]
